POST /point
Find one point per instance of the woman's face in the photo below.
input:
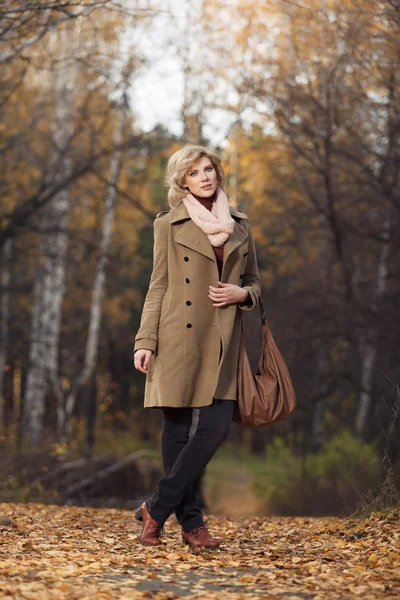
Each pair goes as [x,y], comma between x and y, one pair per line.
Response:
[201,179]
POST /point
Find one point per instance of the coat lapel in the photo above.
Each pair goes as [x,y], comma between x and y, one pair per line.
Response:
[187,233]
[191,236]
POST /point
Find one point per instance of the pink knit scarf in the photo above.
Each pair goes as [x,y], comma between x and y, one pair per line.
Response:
[217,224]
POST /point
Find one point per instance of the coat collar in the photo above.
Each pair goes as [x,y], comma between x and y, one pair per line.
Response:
[188,234]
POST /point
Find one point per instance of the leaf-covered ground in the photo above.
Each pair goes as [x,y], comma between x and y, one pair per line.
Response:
[60,552]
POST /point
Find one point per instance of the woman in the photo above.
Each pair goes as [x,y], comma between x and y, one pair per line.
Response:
[204,271]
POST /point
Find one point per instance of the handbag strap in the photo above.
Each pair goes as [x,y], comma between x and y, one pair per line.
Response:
[262,311]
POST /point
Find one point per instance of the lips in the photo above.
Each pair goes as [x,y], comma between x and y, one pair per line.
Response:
[206,187]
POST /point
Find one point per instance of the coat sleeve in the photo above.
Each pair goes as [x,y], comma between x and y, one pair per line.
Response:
[251,279]
[147,335]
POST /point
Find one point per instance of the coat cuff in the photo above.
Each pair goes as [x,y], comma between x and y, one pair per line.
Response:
[145,344]
[251,300]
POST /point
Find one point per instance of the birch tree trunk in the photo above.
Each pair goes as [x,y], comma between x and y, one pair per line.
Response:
[64,416]
[4,322]
[369,341]
[50,286]
[387,179]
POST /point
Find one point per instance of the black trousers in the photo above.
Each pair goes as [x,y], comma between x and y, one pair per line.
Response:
[184,460]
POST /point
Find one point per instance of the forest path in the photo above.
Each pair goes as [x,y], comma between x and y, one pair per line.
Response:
[61,552]
[228,489]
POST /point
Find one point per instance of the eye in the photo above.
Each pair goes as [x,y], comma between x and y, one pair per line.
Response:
[209,168]
[193,173]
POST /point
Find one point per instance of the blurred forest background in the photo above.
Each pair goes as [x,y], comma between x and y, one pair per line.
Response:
[311,94]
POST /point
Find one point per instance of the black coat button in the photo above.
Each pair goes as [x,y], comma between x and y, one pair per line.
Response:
[186,258]
[188,303]
[189,325]
[187,280]
[241,276]
[245,254]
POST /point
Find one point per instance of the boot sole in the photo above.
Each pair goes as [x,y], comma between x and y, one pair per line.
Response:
[144,544]
[185,541]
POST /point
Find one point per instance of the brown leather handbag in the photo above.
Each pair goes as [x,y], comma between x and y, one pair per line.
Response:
[268,396]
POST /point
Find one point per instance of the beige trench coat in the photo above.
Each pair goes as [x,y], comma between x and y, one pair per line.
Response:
[179,322]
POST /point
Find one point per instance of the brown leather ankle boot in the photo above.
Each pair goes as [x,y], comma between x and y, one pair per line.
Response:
[152,531]
[199,537]
[138,511]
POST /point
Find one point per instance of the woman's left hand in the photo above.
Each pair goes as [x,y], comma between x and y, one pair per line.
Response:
[227,293]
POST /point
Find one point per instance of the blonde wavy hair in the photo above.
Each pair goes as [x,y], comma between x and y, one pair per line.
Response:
[181,162]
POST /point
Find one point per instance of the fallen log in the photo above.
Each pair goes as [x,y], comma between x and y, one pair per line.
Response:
[101,481]
[127,479]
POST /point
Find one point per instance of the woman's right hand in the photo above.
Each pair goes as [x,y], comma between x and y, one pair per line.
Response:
[141,359]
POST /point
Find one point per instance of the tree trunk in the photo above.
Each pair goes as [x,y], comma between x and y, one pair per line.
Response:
[318,433]
[4,322]
[368,343]
[50,283]
[90,401]
[64,418]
